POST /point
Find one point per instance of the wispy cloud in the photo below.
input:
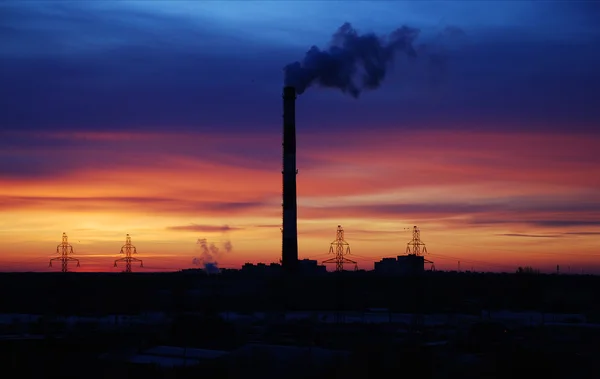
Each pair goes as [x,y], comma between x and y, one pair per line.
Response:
[529,235]
[203,228]
[135,204]
[564,223]
[583,233]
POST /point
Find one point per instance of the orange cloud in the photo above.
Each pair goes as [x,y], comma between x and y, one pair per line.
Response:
[202,228]
[472,193]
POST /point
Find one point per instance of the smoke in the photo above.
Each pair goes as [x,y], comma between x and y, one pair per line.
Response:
[436,53]
[211,268]
[209,253]
[354,62]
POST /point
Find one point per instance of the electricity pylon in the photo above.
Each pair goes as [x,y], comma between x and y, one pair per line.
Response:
[340,248]
[64,250]
[128,249]
[417,247]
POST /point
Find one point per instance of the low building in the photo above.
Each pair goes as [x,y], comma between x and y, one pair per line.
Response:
[305,266]
[401,265]
[311,267]
[261,269]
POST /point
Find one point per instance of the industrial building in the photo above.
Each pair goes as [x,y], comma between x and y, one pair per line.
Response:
[413,263]
[401,265]
[304,267]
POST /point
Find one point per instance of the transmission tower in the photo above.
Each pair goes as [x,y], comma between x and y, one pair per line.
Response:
[128,249]
[340,248]
[64,251]
[417,247]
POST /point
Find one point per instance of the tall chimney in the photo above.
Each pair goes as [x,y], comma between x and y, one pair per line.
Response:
[289,253]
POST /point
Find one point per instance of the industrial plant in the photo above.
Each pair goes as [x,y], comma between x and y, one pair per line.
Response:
[411,263]
[295,319]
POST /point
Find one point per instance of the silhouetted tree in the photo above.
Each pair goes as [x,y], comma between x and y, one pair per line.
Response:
[527,270]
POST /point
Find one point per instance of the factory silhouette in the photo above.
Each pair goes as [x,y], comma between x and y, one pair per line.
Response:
[410,264]
[350,55]
[413,262]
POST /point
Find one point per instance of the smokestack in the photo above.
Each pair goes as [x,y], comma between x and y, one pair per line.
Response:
[289,253]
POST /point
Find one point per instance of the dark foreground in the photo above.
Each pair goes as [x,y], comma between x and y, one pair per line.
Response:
[183,325]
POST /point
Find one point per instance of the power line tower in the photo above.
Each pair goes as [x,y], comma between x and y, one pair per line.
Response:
[340,248]
[64,250]
[417,247]
[128,249]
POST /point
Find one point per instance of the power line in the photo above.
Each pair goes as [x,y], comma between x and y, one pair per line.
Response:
[478,262]
[340,248]
[128,249]
[64,250]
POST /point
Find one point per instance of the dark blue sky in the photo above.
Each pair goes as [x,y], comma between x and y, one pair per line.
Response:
[218,65]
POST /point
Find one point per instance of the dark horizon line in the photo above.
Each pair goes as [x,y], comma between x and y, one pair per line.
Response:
[174,271]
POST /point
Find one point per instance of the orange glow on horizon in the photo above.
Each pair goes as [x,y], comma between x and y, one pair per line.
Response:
[492,201]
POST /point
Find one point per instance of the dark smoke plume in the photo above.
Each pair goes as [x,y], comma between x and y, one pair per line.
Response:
[352,62]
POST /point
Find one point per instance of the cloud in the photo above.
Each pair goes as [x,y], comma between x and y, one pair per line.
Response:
[116,67]
[549,213]
[445,165]
[126,204]
[451,214]
[203,228]
[421,210]
[486,178]
[564,223]
[33,154]
[379,232]
[92,57]
[557,234]
[528,235]
[358,234]
[519,219]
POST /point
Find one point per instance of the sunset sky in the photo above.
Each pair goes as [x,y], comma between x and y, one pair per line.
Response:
[163,120]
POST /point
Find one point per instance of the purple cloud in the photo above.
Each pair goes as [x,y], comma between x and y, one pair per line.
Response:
[149,204]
